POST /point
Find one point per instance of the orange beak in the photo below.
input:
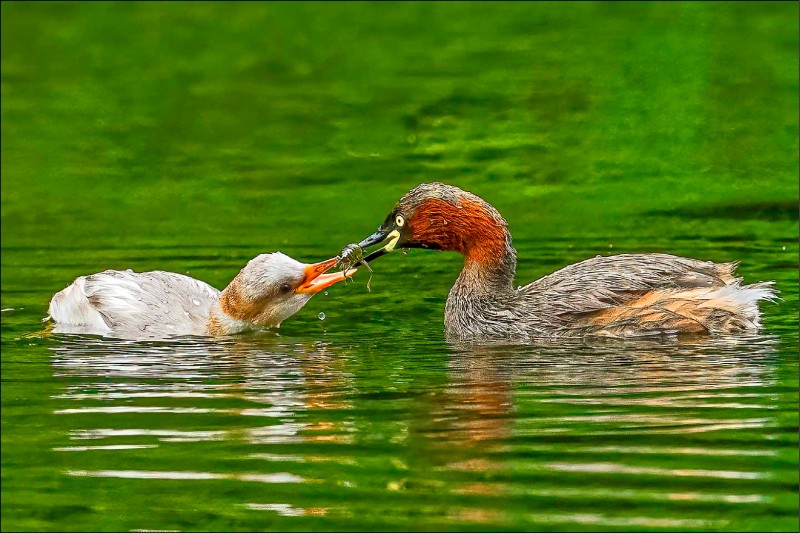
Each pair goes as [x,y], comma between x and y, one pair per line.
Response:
[315,279]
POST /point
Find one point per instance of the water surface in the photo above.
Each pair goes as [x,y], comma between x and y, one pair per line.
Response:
[192,137]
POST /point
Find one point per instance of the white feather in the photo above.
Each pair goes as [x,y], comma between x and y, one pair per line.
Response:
[742,300]
[131,304]
[159,304]
[71,306]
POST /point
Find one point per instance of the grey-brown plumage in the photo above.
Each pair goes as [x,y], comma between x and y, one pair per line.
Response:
[621,295]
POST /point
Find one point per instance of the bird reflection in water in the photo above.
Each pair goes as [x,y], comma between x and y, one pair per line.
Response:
[259,377]
[550,405]
[495,415]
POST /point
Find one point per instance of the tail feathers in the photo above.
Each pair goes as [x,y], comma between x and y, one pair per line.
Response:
[732,308]
[741,302]
[763,290]
[72,306]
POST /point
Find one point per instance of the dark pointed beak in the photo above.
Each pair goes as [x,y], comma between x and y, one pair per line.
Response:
[392,235]
[376,238]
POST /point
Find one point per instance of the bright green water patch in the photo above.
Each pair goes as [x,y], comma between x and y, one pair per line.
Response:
[191,137]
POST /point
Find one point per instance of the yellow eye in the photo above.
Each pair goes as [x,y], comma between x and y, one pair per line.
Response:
[399,221]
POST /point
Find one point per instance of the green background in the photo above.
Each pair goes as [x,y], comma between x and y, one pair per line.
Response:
[192,136]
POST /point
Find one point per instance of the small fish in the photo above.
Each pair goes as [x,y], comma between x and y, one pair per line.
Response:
[350,256]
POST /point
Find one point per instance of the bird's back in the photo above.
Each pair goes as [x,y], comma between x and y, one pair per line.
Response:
[642,294]
[131,304]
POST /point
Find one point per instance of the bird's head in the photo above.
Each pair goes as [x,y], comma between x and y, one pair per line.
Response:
[272,287]
[442,217]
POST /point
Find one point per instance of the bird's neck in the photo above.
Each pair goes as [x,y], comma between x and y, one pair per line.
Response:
[475,229]
[489,265]
[228,314]
[483,292]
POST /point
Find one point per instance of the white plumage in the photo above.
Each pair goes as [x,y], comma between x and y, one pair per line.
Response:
[158,304]
[134,304]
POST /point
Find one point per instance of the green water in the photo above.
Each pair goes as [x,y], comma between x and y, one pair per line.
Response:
[191,137]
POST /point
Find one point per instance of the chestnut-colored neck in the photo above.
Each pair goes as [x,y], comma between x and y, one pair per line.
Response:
[489,265]
[475,229]
[232,313]
[231,302]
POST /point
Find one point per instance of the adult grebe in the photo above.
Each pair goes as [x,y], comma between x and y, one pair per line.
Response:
[619,295]
[127,304]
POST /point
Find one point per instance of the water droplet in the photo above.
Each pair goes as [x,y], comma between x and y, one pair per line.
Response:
[321,316]
[325,293]
[405,251]
[783,248]
[610,245]
[196,302]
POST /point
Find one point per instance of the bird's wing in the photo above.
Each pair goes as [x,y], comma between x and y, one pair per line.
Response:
[603,283]
[610,280]
[148,303]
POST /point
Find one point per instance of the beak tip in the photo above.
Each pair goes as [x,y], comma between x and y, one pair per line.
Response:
[377,237]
